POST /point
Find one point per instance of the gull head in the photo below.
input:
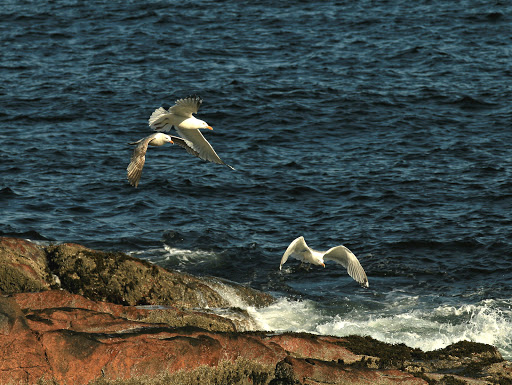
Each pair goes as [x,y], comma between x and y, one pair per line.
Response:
[319,260]
[203,124]
[160,139]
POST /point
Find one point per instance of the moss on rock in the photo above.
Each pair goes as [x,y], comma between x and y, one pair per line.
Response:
[240,372]
[121,279]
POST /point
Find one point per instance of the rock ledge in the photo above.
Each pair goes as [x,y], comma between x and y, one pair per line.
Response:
[72,315]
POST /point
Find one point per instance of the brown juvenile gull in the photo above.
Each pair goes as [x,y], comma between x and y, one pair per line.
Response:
[187,125]
[139,153]
[301,251]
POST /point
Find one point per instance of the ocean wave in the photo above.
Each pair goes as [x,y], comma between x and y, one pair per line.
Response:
[177,258]
[184,255]
[403,320]
[431,329]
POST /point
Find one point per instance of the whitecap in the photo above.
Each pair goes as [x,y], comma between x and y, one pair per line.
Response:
[430,329]
[173,256]
[185,255]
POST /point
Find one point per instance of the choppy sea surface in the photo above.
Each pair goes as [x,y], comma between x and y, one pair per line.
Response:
[382,126]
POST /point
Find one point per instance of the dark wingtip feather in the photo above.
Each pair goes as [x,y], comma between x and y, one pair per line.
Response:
[196,98]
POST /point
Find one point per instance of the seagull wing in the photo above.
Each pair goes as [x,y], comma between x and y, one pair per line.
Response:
[160,120]
[187,106]
[348,260]
[294,250]
[138,159]
[187,145]
[199,144]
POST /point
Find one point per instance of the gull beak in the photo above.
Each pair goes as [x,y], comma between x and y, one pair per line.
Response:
[323,264]
[172,141]
[209,127]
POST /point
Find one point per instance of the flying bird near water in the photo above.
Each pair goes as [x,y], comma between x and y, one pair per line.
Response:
[180,116]
[300,250]
[139,153]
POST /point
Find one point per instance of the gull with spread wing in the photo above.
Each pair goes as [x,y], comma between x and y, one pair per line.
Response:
[180,116]
[300,250]
[139,153]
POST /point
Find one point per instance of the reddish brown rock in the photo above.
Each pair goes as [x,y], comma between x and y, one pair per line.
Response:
[124,280]
[324,348]
[22,357]
[23,267]
[70,339]
[74,345]
[35,305]
[77,346]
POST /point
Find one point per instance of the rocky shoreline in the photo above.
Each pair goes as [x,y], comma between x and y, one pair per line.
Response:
[72,315]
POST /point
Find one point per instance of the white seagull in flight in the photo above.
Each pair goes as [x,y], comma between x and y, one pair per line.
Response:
[187,125]
[301,251]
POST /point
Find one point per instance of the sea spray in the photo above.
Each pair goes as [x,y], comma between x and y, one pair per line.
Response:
[427,329]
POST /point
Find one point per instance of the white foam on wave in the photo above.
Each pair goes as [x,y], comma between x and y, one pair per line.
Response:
[288,315]
[487,322]
[139,253]
[283,315]
[420,330]
[185,255]
[425,329]
[175,256]
[229,294]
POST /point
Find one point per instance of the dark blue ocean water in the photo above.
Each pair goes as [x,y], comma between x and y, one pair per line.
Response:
[383,126]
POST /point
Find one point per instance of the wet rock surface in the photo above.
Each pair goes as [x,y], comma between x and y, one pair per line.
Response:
[116,320]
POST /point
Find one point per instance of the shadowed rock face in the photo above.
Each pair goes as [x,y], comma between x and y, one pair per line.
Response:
[113,277]
[80,336]
[119,278]
[23,267]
